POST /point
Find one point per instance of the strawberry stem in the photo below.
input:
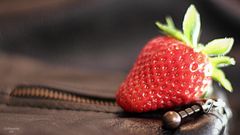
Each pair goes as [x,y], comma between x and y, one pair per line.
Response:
[215,50]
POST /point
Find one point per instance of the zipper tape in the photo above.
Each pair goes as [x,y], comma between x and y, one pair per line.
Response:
[40,96]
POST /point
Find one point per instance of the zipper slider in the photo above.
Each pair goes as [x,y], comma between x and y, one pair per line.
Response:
[173,119]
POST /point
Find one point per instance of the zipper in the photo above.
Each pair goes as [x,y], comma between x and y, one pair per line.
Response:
[107,105]
[53,94]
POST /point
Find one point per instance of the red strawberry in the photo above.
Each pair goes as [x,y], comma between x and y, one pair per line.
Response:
[174,70]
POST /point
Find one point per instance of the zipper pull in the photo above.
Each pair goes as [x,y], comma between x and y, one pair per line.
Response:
[172,119]
[207,106]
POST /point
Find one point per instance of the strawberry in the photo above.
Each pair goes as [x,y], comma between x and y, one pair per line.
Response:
[175,69]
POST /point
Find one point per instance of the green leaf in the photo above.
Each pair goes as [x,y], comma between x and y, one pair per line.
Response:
[170,22]
[199,48]
[191,25]
[219,46]
[171,31]
[219,76]
[222,61]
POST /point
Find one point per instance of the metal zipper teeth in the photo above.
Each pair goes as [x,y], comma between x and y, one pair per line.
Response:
[52,94]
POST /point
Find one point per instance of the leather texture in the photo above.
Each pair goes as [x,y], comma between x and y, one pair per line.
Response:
[23,116]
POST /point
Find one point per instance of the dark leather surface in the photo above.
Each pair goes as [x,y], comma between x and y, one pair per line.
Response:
[47,119]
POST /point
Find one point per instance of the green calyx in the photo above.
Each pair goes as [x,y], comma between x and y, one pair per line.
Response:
[215,50]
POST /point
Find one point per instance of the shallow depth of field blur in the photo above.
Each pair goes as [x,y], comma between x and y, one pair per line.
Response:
[107,35]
